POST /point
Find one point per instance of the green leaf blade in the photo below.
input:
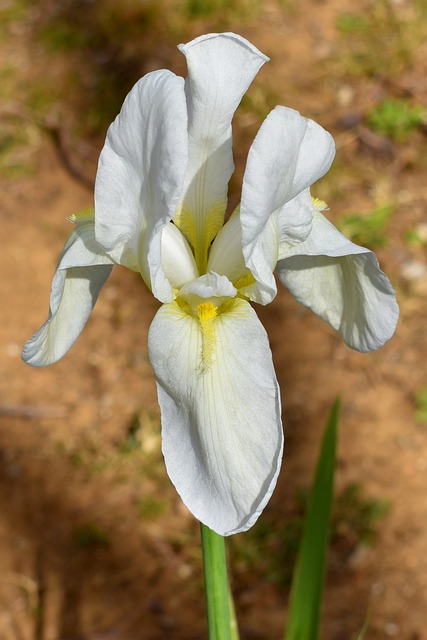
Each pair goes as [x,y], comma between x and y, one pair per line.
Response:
[307,584]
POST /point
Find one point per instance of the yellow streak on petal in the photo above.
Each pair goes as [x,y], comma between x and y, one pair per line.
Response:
[184,220]
[200,231]
[244,281]
[214,222]
[207,312]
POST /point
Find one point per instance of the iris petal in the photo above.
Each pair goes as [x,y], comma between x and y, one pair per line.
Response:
[81,273]
[288,154]
[220,69]
[140,175]
[343,284]
[221,428]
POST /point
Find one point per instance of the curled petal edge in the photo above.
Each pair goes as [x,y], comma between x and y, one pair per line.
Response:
[80,275]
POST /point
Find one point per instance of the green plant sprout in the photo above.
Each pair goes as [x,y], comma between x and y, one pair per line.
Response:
[421,405]
[221,8]
[150,507]
[379,38]
[397,119]
[271,547]
[416,236]
[89,535]
[368,229]
[352,23]
[358,514]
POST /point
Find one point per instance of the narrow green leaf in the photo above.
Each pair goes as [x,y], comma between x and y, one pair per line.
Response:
[307,583]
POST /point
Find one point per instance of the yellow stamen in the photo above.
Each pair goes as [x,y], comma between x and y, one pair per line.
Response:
[319,205]
[207,313]
[82,216]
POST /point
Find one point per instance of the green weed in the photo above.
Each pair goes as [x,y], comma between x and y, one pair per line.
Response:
[223,9]
[396,119]
[40,97]
[77,459]
[17,149]
[359,515]
[132,442]
[12,12]
[62,36]
[379,39]
[260,100]
[8,74]
[352,23]
[150,508]
[90,535]
[271,548]
[421,405]
[369,230]
[268,548]
[98,467]
[417,236]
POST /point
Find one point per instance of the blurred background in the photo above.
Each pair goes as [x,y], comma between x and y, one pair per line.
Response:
[94,542]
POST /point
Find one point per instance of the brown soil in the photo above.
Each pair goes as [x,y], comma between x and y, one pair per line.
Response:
[94,542]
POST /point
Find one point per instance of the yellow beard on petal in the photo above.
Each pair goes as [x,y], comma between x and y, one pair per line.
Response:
[207,312]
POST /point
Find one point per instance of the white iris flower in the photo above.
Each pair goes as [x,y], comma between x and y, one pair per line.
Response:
[160,202]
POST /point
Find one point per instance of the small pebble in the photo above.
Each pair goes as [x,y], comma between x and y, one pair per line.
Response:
[413,270]
[391,629]
[13,350]
[345,95]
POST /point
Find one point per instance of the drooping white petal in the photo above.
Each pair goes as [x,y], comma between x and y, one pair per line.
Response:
[343,284]
[220,69]
[221,427]
[82,271]
[140,174]
[288,154]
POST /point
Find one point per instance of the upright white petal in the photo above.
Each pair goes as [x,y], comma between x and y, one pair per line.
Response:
[226,258]
[82,271]
[177,258]
[343,284]
[288,154]
[220,69]
[220,407]
[141,173]
[262,261]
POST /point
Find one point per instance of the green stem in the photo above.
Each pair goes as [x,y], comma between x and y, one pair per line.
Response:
[216,584]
